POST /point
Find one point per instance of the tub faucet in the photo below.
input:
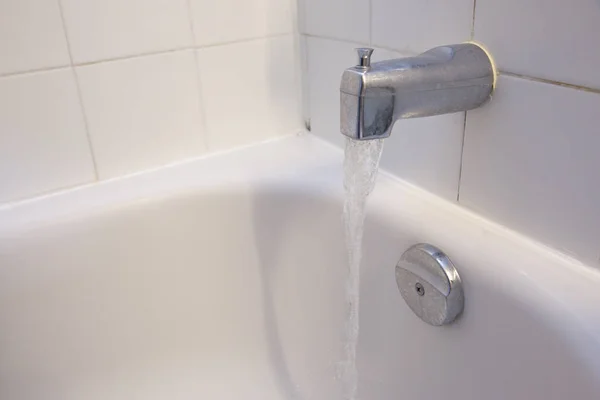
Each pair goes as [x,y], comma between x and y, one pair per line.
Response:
[442,80]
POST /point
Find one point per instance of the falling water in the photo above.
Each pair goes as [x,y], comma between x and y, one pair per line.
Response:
[360,171]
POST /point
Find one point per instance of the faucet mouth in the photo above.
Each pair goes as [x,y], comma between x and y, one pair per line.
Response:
[366,118]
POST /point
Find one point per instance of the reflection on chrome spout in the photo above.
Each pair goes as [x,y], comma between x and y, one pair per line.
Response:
[442,80]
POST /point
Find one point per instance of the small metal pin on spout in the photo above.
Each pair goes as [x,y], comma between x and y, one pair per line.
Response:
[364,57]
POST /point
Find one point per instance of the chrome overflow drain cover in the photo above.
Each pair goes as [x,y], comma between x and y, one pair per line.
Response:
[430,284]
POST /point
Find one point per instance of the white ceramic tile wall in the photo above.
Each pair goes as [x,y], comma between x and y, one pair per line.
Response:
[31,36]
[556,40]
[232,20]
[326,58]
[414,26]
[106,29]
[341,19]
[43,144]
[249,98]
[119,90]
[142,111]
[531,162]
[529,158]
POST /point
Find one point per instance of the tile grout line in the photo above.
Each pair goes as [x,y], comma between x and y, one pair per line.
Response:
[79,93]
[306,85]
[336,39]
[462,147]
[133,56]
[34,71]
[301,56]
[183,48]
[371,23]
[304,72]
[244,40]
[201,107]
[549,82]
[473,20]
[139,55]
[462,152]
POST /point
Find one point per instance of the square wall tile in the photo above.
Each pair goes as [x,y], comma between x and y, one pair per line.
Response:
[43,142]
[106,29]
[142,112]
[556,40]
[427,152]
[327,60]
[531,163]
[232,20]
[339,19]
[251,93]
[413,26]
[31,36]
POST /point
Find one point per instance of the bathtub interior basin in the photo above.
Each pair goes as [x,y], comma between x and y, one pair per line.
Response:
[223,278]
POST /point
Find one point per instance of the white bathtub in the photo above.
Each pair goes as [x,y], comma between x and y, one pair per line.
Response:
[222,278]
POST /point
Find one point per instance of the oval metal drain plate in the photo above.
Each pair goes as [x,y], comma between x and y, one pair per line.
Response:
[430,284]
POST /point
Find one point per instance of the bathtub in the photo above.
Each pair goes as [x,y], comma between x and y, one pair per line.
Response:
[223,278]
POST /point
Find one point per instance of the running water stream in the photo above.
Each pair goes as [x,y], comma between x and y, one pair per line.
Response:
[361,163]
